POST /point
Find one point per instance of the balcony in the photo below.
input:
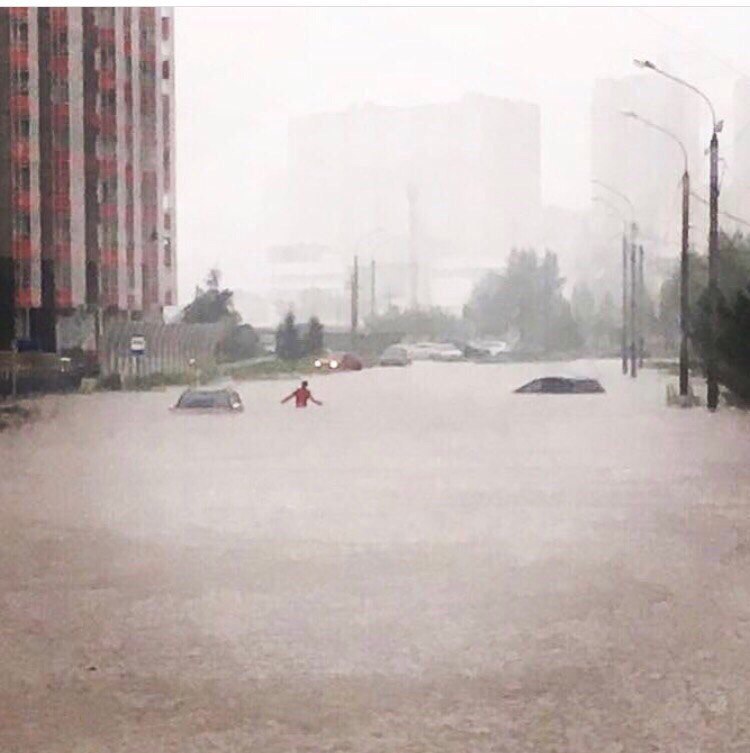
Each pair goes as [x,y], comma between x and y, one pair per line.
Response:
[21,248]
[61,203]
[22,200]
[108,210]
[19,104]
[20,151]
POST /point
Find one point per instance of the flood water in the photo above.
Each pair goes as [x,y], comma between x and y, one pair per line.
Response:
[428,562]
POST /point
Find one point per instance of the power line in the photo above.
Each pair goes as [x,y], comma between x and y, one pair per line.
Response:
[693,43]
[729,215]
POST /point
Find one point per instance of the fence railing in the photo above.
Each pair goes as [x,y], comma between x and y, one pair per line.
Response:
[168,348]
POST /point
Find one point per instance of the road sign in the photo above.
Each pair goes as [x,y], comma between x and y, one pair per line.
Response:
[137,345]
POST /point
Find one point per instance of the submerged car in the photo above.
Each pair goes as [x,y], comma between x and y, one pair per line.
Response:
[338,362]
[211,401]
[562,386]
[446,352]
[395,355]
[487,350]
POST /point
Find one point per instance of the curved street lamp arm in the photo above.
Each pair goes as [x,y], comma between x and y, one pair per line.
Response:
[617,193]
[648,64]
[663,130]
[614,210]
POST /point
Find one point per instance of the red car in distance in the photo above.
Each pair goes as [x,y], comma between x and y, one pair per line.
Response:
[338,362]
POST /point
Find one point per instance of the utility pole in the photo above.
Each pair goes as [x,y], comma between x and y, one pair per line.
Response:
[712,397]
[413,250]
[624,302]
[355,303]
[625,244]
[641,308]
[684,256]
[685,287]
[633,304]
[373,307]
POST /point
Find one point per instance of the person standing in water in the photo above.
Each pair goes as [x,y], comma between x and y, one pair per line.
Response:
[301,395]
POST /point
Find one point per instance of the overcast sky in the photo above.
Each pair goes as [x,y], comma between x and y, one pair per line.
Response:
[241,72]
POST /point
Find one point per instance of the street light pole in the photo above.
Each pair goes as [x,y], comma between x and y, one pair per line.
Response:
[712,385]
[625,244]
[684,255]
[641,309]
[624,302]
[633,307]
[712,397]
[685,287]
[355,303]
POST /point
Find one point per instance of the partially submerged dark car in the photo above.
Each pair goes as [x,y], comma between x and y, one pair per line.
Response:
[561,386]
[209,401]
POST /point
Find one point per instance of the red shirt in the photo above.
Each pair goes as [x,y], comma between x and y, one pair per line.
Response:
[301,396]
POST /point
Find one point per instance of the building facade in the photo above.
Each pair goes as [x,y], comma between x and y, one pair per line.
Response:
[87,206]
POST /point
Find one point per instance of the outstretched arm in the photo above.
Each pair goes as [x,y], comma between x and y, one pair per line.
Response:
[317,402]
[287,398]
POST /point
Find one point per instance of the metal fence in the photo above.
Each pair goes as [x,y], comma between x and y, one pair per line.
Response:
[168,349]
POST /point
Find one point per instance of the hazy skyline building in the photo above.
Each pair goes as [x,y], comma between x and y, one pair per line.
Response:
[737,194]
[641,162]
[474,167]
[87,205]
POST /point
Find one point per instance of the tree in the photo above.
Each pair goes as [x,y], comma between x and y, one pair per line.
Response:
[732,335]
[287,339]
[734,275]
[314,337]
[241,343]
[525,298]
[430,323]
[212,304]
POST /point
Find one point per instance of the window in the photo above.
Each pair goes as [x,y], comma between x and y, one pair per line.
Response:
[22,224]
[23,127]
[165,69]
[23,177]
[60,90]
[22,32]
[21,80]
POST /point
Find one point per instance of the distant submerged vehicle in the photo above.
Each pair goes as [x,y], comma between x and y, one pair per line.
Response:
[395,355]
[562,386]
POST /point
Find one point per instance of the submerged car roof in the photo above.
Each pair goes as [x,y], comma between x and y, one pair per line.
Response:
[562,384]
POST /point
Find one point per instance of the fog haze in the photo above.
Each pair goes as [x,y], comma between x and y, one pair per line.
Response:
[243,73]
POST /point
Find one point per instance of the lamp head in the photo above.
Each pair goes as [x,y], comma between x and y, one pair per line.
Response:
[645,64]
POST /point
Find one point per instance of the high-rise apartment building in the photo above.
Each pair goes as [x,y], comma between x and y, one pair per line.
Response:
[87,208]
[735,194]
[641,162]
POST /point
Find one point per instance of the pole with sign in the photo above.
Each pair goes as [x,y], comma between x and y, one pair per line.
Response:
[137,351]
